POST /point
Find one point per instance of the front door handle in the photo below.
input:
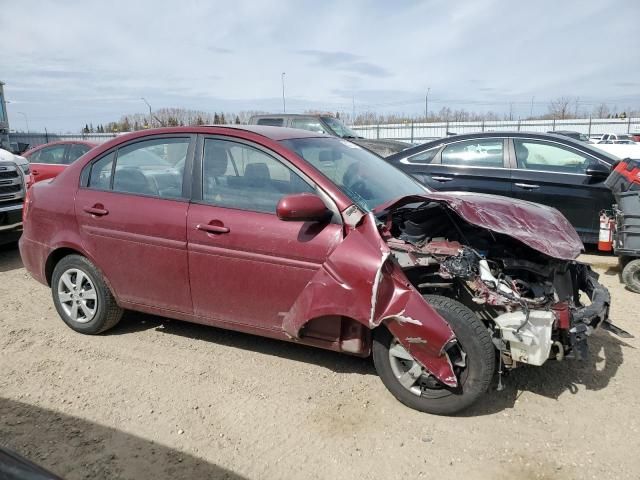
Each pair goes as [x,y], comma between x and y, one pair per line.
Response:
[527,186]
[97,210]
[442,179]
[212,227]
[35,172]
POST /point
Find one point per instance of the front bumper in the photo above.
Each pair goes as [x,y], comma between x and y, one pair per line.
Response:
[10,217]
[585,319]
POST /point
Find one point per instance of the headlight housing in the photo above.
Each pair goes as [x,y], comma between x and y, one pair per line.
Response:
[25,169]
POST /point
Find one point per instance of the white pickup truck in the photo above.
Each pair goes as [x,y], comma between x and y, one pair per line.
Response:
[620,145]
[14,171]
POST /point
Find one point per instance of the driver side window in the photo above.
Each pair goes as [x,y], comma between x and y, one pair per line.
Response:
[235,175]
[540,155]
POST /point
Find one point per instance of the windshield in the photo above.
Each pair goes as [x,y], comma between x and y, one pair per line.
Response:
[365,178]
[339,128]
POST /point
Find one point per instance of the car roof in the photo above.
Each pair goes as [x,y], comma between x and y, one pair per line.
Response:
[272,133]
[291,115]
[514,134]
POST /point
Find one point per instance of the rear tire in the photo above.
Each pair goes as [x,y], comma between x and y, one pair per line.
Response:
[631,275]
[430,396]
[82,298]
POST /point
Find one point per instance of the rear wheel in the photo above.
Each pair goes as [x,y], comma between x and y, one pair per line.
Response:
[82,297]
[631,275]
[473,362]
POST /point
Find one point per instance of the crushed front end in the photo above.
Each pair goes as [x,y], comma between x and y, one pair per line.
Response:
[536,306]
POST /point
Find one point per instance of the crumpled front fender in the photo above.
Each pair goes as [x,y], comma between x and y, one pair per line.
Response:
[359,280]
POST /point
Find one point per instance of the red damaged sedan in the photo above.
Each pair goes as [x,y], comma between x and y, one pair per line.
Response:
[302,237]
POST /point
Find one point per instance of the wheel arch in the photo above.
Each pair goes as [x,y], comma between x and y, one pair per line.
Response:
[64,250]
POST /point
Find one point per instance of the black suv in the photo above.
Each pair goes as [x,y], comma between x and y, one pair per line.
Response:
[331,126]
[550,169]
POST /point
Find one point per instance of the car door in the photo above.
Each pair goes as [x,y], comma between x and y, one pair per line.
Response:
[48,162]
[472,165]
[131,210]
[246,265]
[555,174]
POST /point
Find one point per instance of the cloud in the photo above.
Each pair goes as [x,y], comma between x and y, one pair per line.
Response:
[344,61]
[76,62]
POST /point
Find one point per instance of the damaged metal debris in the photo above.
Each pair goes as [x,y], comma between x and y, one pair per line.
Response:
[530,301]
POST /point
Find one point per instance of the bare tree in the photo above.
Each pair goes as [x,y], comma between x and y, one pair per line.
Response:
[601,111]
[560,108]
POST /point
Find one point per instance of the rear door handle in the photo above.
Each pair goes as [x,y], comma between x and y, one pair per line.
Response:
[442,179]
[213,228]
[527,186]
[35,172]
[96,210]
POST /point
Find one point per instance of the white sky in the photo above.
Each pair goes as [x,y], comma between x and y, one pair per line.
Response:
[67,63]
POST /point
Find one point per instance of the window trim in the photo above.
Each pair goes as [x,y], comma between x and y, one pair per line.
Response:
[85,174]
[198,176]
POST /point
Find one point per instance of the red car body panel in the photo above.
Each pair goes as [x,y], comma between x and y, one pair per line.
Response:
[323,284]
[45,171]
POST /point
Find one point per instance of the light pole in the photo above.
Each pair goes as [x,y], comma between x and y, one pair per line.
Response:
[26,119]
[150,114]
[426,105]
[284,105]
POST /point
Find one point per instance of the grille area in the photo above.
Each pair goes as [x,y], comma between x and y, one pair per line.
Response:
[9,174]
[4,189]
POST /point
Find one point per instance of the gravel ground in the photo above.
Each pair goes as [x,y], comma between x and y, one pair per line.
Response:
[165,399]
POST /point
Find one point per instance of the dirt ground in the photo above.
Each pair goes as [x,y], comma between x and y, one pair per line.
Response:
[165,399]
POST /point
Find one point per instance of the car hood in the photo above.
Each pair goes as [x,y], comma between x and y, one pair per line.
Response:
[540,227]
[383,148]
[10,157]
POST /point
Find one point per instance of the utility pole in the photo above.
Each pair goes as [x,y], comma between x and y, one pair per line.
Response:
[26,119]
[284,105]
[531,113]
[426,105]
[150,114]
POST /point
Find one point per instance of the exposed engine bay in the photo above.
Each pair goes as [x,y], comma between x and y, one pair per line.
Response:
[535,306]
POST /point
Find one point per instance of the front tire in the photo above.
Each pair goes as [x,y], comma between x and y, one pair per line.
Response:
[82,298]
[427,394]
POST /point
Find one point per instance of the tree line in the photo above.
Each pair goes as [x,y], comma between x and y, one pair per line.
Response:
[561,108]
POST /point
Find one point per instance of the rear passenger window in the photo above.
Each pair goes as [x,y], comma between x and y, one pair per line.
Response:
[424,157]
[100,177]
[151,167]
[475,153]
[238,176]
[273,122]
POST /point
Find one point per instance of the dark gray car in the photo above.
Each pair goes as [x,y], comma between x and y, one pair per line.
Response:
[331,126]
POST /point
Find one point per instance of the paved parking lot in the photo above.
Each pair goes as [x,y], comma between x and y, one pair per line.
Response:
[164,399]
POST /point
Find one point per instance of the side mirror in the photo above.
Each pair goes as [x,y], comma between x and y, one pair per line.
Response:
[597,170]
[302,207]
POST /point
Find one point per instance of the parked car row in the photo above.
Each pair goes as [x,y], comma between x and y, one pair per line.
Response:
[309,238]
